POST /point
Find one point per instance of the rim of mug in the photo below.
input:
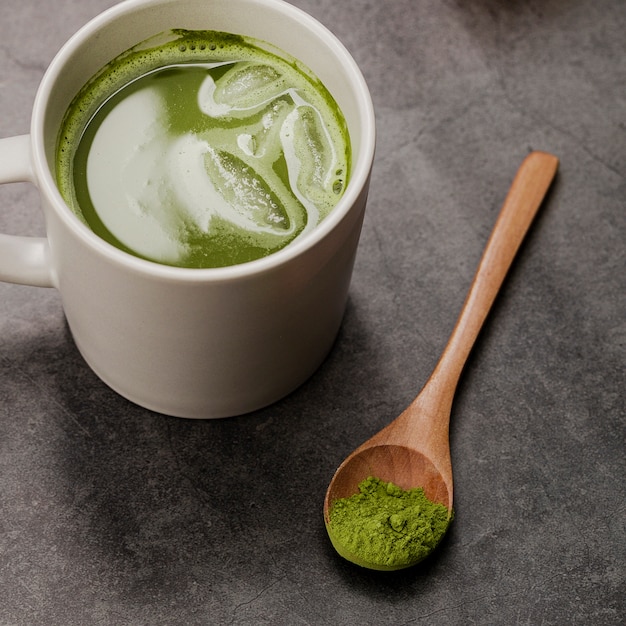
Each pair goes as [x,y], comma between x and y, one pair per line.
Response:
[361,166]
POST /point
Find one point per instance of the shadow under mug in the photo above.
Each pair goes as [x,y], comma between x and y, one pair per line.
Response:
[196,343]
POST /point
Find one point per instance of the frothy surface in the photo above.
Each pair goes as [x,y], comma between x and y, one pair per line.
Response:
[210,151]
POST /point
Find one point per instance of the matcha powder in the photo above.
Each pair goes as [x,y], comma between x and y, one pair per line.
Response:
[386,527]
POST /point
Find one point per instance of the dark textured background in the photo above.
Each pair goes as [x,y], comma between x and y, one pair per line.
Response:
[110,514]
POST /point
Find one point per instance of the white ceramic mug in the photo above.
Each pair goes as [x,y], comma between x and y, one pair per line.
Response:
[198,343]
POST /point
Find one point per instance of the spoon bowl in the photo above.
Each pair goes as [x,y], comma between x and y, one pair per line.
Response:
[394,464]
[414,449]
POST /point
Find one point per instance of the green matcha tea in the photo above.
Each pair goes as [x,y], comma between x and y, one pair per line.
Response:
[202,150]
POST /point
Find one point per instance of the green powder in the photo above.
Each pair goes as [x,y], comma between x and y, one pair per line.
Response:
[386,527]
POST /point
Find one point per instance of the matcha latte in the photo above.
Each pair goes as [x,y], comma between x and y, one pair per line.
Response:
[202,149]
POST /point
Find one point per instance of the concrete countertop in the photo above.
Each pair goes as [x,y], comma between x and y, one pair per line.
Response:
[111,514]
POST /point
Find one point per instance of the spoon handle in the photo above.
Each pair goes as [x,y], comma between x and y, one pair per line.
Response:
[522,202]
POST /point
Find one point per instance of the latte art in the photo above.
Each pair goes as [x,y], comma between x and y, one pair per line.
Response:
[210,163]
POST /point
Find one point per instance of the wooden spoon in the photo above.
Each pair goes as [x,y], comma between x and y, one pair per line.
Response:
[414,449]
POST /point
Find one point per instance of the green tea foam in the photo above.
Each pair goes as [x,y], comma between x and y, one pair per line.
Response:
[203,149]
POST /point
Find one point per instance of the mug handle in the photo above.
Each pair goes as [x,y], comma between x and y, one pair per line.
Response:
[23,260]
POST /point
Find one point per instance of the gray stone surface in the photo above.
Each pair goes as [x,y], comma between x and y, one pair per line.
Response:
[110,514]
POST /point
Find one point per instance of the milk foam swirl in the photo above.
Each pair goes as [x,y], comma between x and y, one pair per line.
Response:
[169,182]
[208,162]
